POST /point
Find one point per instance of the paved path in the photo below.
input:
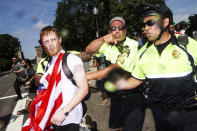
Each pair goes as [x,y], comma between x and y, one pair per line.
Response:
[98,113]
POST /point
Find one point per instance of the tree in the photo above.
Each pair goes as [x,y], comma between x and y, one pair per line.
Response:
[192,24]
[76,22]
[9,47]
[183,24]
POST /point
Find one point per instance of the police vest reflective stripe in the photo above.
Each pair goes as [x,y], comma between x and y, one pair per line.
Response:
[182,74]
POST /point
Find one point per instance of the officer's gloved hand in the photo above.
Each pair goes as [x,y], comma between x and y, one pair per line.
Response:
[110,87]
[113,87]
[116,80]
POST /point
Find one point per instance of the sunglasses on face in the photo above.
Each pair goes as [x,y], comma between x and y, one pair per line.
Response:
[113,28]
[148,23]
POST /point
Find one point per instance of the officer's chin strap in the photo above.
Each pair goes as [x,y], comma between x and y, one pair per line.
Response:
[161,32]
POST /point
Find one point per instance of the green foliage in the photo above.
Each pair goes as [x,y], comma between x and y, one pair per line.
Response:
[9,46]
[183,24]
[193,21]
[193,25]
[76,22]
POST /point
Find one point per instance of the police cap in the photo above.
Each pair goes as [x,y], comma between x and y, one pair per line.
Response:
[160,9]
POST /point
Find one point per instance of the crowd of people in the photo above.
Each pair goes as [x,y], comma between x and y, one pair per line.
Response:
[155,69]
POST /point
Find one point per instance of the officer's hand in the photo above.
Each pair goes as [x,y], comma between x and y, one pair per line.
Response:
[109,38]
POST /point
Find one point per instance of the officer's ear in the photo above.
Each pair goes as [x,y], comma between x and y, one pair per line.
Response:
[166,22]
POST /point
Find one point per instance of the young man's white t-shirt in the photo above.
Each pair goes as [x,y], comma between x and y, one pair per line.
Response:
[67,88]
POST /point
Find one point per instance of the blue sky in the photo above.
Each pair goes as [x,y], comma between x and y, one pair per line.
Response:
[24,18]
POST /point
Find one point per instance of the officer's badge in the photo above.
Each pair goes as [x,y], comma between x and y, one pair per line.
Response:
[120,59]
[125,51]
[176,54]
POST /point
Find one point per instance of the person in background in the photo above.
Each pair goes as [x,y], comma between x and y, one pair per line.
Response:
[140,38]
[18,69]
[102,63]
[30,82]
[178,29]
[135,36]
[40,70]
[194,34]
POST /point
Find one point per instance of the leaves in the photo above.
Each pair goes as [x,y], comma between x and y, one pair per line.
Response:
[78,24]
[9,47]
[192,24]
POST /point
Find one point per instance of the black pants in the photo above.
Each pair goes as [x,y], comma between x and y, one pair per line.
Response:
[127,114]
[17,85]
[175,120]
[135,119]
[69,127]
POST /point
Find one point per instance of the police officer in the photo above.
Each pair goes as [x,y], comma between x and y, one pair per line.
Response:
[167,66]
[120,51]
[40,70]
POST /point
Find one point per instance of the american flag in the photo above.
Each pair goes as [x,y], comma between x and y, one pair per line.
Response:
[46,102]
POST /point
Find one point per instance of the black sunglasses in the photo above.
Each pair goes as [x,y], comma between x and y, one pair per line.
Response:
[113,28]
[148,23]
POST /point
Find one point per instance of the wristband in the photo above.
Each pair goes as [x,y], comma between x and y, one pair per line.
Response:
[66,113]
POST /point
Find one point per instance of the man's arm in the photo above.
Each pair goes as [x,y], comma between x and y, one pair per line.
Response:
[30,81]
[100,74]
[37,78]
[94,46]
[131,83]
[81,81]
[18,71]
[82,84]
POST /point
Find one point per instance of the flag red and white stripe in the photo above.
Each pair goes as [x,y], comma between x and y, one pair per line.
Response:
[46,102]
